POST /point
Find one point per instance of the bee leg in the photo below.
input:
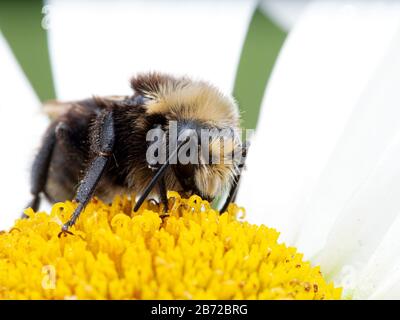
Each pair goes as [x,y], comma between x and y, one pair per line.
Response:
[34,204]
[103,148]
[236,181]
[163,194]
[40,167]
[232,194]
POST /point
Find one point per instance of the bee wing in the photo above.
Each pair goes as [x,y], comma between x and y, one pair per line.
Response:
[55,108]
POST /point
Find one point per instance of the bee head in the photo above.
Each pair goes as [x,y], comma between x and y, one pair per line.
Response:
[199,119]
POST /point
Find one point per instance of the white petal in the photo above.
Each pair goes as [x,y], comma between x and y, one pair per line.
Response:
[380,279]
[362,178]
[284,13]
[321,72]
[97,46]
[368,133]
[367,217]
[20,130]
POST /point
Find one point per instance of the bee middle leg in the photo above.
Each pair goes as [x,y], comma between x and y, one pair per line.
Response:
[57,133]
[40,167]
[163,194]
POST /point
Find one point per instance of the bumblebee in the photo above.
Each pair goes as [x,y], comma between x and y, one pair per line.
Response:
[100,146]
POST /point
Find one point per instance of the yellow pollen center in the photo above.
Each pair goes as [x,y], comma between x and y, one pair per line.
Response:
[194,253]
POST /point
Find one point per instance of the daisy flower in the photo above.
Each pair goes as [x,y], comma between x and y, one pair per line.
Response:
[320,187]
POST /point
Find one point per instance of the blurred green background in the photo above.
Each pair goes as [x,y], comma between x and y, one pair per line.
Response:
[20,23]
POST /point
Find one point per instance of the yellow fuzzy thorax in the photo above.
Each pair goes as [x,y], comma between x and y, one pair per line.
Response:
[194,253]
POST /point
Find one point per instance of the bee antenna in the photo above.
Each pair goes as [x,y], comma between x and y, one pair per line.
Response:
[159,174]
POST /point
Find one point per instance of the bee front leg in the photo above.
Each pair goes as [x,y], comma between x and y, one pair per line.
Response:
[162,190]
[163,194]
[102,147]
[236,181]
